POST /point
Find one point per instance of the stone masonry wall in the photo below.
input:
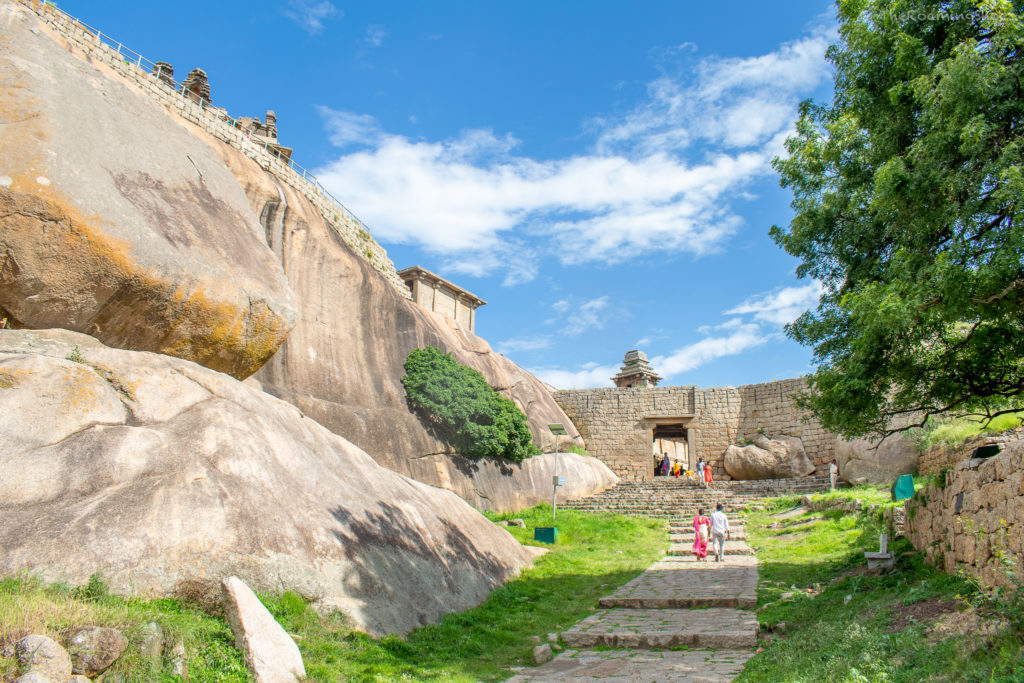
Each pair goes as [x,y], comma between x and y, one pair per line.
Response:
[618,424]
[214,122]
[973,516]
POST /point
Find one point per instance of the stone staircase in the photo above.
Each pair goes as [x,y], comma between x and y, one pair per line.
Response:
[680,499]
[680,620]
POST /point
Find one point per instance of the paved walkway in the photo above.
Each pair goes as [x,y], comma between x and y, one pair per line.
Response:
[648,629]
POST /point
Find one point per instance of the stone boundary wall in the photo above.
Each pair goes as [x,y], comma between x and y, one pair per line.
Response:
[213,122]
[617,424]
[973,514]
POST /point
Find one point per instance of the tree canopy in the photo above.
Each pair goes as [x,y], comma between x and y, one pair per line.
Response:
[907,192]
[463,408]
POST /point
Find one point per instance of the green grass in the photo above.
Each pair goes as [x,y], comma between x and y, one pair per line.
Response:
[29,606]
[953,432]
[594,555]
[843,630]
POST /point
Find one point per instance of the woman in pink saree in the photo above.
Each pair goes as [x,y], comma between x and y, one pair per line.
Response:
[701,524]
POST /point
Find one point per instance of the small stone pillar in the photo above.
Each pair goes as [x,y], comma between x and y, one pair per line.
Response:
[196,86]
[164,72]
[271,124]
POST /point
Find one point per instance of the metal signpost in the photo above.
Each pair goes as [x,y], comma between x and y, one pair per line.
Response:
[558,429]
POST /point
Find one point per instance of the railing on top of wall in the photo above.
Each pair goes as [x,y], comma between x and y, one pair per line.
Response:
[50,14]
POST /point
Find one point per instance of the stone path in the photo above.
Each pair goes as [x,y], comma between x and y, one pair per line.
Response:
[648,629]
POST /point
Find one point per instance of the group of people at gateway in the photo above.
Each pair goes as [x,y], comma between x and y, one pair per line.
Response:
[666,467]
[715,529]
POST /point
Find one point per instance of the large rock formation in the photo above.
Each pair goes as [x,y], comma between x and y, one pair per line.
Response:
[779,458]
[117,222]
[343,362]
[870,461]
[159,473]
[156,247]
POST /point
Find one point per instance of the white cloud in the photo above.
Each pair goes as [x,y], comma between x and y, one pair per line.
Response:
[525,344]
[643,185]
[711,348]
[375,34]
[589,375]
[585,317]
[781,306]
[311,14]
[561,306]
[345,128]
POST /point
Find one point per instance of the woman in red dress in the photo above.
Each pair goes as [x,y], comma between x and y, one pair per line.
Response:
[701,524]
[707,473]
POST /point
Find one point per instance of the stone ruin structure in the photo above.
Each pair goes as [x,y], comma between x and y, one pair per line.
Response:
[636,371]
[196,86]
[165,72]
[627,425]
[265,132]
[436,294]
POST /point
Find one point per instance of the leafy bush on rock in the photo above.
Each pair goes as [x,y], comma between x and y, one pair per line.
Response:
[466,412]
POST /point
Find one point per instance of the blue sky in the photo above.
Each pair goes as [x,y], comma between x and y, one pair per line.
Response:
[599,172]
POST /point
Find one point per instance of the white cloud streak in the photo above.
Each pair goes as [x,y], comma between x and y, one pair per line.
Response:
[311,14]
[642,185]
[781,306]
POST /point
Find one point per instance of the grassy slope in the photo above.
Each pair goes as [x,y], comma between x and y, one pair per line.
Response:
[846,631]
[594,555]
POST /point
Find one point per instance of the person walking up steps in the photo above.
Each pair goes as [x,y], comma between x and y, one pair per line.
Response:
[700,541]
[719,532]
[700,472]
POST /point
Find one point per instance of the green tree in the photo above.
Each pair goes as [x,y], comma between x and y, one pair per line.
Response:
[908,196]
[466,412]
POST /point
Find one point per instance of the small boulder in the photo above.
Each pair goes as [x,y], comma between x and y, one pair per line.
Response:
[270,653]
[77,678]
[534,639]
[513,522]
[42,656]
[151,641]
[542,653]
[94,648]
[552,637]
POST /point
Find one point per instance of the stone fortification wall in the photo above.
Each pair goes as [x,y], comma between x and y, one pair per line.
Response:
[222,127]
[618,424]
[937,458]
[771,407]
[973,516]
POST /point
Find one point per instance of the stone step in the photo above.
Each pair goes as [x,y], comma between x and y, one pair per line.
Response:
[579,666]
[731,548]
[713,628]
[681,581]
[687,537]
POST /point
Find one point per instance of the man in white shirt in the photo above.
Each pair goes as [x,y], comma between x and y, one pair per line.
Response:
[833,474]
[719,532]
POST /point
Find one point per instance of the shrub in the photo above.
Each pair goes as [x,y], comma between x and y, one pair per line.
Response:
[465,411]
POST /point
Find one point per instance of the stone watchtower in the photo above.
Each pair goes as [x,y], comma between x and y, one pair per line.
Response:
[636,372]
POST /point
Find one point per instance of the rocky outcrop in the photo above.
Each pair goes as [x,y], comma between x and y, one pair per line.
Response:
[117,222]
[343,362]
[158,248]
[866,461]
[270,653]
[781,457]
[161,474]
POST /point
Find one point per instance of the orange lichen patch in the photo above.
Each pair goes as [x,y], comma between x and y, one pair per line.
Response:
[79,390]
[10,378]
[125,305]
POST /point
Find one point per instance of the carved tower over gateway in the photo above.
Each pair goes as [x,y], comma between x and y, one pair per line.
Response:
[636,372]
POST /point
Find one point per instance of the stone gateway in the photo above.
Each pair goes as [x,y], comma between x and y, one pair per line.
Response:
[627,427]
